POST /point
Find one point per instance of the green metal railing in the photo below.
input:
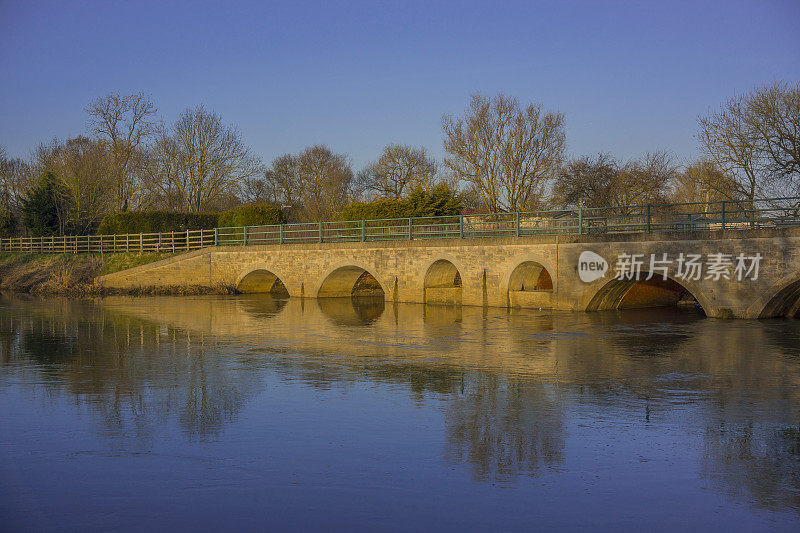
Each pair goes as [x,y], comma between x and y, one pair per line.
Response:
[686,217]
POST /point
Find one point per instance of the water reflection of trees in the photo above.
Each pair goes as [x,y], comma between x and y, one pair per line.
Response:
[755,460]
[502,376]
[503,428]
[135,374]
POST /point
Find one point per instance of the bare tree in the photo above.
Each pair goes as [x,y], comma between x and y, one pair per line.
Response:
[774,113]
[257,190]
[703,182]
[124,123]
[504,151]
[645,180]
[16,177]
[604,182]
[587,182]
[200,163]
[325,178]
[283,176]
[83,167]
[754,139]
[400,169]
[80,166]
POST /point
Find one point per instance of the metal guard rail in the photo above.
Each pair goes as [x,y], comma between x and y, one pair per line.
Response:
[706,216]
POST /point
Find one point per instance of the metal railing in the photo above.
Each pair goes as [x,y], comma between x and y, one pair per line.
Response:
[685,217]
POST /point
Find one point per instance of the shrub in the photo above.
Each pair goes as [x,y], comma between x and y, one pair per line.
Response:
[155,222]
[252,215]
[440,201]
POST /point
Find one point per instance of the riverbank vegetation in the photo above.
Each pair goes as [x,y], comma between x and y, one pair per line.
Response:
[74,275]
[133,172]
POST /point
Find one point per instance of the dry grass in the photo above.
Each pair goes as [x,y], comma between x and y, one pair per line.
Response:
[73,275]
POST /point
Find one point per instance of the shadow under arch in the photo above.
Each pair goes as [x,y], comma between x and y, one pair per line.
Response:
[530,285]
[262,281]
[442,283]
[355,311]
[348,281]
[785,303]
[639,292]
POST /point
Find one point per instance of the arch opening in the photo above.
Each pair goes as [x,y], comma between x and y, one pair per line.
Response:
[530,285]
[786,303]
[640,292]
[262,282]
[443,284]
[349,282]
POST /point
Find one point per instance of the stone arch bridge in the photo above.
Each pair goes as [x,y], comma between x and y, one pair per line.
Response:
[528,271]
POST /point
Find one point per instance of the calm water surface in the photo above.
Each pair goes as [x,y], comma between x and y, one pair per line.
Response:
[246,412]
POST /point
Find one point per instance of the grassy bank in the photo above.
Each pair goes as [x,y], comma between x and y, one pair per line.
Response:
[73,275]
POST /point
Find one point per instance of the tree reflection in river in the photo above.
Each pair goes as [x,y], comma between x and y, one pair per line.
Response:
[755,461]
[135,373]
[504,428]
[506,383]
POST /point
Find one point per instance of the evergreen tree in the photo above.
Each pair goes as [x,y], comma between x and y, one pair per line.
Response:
[44,208]
[8,222]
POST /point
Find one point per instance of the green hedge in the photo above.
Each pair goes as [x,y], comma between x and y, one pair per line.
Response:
[252,215]
[155,222]
[440,201]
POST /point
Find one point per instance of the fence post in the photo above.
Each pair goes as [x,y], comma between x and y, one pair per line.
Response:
[410,229]
[363,230]
[461,226]
[187,240]
[648,218]
[215,237]
[723,214]
[280,233]
[320,231]
[244,235]
[580,220]
[516,223]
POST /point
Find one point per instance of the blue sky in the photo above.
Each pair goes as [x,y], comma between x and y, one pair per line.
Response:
[631,77]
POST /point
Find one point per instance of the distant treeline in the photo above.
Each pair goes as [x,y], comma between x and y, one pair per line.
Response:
[132,172]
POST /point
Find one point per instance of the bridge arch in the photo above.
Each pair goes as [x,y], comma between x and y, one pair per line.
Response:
[782,299]
[529,284]
[260,279]
[442,283]
[348,279]
[640,292]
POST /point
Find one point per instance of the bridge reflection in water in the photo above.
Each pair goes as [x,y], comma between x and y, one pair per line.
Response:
[519,390]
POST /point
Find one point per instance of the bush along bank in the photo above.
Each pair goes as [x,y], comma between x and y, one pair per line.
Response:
[74,275]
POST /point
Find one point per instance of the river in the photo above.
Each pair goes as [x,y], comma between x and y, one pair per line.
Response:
[246,412]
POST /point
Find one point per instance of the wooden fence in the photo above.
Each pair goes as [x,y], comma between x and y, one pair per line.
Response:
[175,241]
